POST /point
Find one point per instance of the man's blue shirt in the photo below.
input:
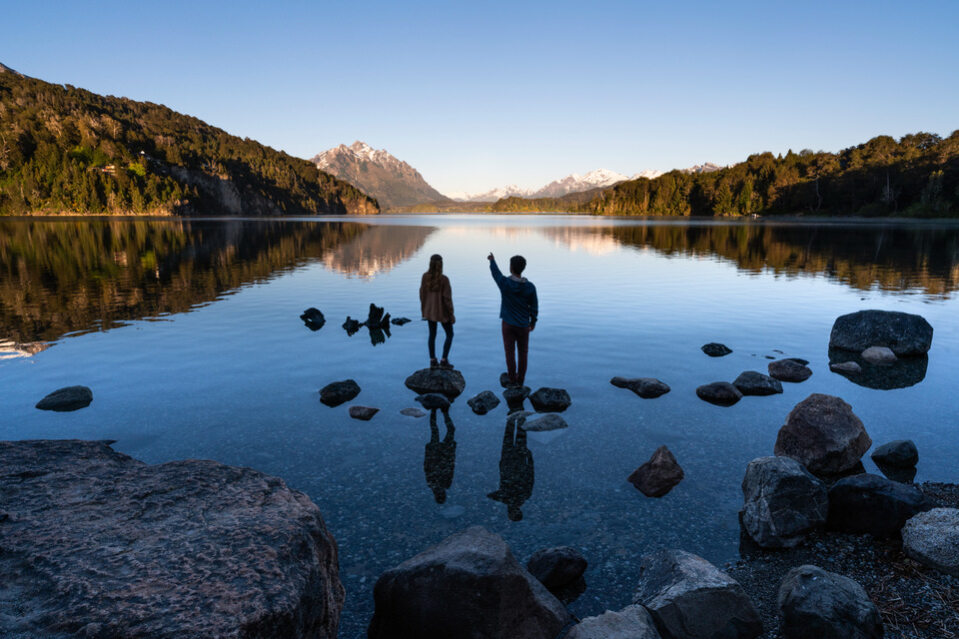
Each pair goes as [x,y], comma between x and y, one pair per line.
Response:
[519,306]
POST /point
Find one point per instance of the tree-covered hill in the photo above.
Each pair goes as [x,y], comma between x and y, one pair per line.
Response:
[67,150]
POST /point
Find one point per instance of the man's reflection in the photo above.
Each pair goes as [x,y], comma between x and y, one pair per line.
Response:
[515,470]
[440,457]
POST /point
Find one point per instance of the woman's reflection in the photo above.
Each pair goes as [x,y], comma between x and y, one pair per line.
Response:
[440,457]
[515,470]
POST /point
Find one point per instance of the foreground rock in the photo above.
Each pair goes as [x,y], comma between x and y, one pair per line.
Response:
[550,400]
[437,380]
[557,568]
[689,598]
[824,605]
[433,401]
[901,453]
[755,383]
[483,402]
[782,502]
[932,538]
[850,368]
[824,435]
[632,622]
[313,319]
[873,504]
[719,393]
[789,370]
[905,334]
[178,550]
[363,413]
[645,387]
[67,399]
[879,355]
[659,475]
[469,586]
[336,393]
[714,349]
[550,421]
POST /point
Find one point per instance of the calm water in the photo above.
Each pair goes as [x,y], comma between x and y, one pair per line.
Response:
[188,334]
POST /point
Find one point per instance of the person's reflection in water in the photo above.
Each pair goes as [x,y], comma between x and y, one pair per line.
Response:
[440,457]
[515,471]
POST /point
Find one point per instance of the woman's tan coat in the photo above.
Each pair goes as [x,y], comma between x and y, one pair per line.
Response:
[437,306]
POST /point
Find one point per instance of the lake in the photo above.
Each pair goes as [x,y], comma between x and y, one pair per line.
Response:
[188,332]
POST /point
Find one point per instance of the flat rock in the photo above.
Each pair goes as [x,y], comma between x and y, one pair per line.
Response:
[689,598]
[364,413]
[400,321]
[557,568]
[905,334]
[336,393]
[67,399]
[550,400]
[719,393]
[789,370]
[97,544]
[782,502]
[714,349]
[467,586]
[755,383]
[818,604]
[437,380]
[873,504]
[550,421]
[932,538]
[659,475]
[645,387]
[851,368]
[824,435]
[632,622]
[433,401]
[483,402]
[412,412]
[879,355]
[901,453]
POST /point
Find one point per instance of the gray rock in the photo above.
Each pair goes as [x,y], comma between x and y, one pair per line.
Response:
[467,586]
[433,401]
[901,453]
[782,502]
[873,504]
[879,355]
[719,393]
[659,475]
[632,622]
[483,402]
[824,435]
[550,421]
[364,413]
[907,335]
[557,567]
[755,383]
[645,387]
[96,543]
[714,349]
[313,319]
[932,538]
[789,370]
[400,321]
[437,380]
[336,393]
[67,399]
[412,412]
[550,400]
[816,604]
[851,368]
[689,598]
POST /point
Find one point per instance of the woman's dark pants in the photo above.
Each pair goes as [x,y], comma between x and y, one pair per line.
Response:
[448,328]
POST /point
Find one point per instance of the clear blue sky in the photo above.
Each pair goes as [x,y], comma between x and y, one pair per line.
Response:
[481,94]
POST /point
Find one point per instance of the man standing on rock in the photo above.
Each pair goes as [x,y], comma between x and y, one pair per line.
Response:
[518,309]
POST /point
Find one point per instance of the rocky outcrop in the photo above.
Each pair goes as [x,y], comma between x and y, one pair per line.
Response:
[719,393]
[873,504]
[363,413]
[901,453]
[632,622]
[645,387]
[557,568]
[437,380]
[483,402]
[67,399]
[659,475]
[905,334]
[782,502]
[789,370]
[550,400]
[932,538]
[469,586]
[336,393]
[755,383]
[824,435]
[824,605]
[97,544]
[714,349]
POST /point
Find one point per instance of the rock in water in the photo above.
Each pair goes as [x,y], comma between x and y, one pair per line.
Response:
[437,380]
[182,549]
[550,421]
[873,504]
[632,622]
[932,538]
[659,475]
[412,412]
[351,325]
[557,567]
[483,402]
[363,413]
[719,393]
[689,598]
[714,349]
[851,368]
[467,586]
[336,393]
[433,401]
[782,502]
[645,387]
[824,605]
[901,453]
[67,399]
[879,355]
[755,383]
[400,321]
[789,370]
[313,319]
[824,435]
[907,335]
[376,319]
[550,400]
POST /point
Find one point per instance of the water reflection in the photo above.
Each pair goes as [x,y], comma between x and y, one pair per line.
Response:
[440,458]
[904,372]
[515,471]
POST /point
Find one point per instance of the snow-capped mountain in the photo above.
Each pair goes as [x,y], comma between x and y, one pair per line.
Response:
[708,167]
[573,183]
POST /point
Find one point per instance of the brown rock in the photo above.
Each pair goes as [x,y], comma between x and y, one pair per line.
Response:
[824,435]
[659,475]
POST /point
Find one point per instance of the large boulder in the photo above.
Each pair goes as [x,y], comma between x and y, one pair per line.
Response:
[632,622]
[783,502]
[816,604]
[557,567]
[97,544]
[67,399]
[469,586]
[824,435]
[437,380]
[336,393]
[719,393]
[550,400]
[873,504]
[932,538]
[689,598]
[659,475]
[755,383]
[789,370]
[645,387]
[905,334]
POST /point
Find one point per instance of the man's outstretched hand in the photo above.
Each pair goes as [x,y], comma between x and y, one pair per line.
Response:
[490,257]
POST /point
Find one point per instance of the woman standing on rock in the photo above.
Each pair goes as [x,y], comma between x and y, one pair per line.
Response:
[436,303]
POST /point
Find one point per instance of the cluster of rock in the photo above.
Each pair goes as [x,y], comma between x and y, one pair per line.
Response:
[880,349]
[377,321]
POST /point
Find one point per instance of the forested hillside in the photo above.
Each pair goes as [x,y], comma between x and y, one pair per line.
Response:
[67,150]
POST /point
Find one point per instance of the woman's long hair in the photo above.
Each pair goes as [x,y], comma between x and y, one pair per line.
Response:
[434,276]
